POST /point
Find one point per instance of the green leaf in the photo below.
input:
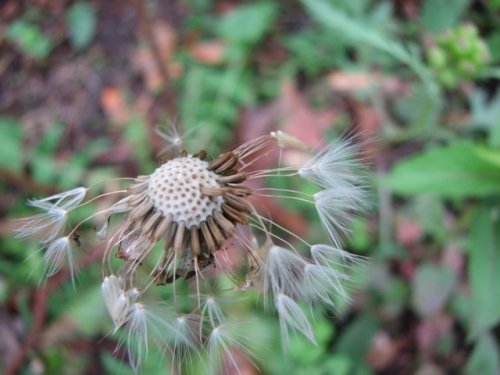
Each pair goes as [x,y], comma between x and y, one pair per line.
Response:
[485,357]
[439,15]
[30,39]
[432,286]
[356,338]
[360,34]
[11,144]
[247,23]
[337,364]
[485,113]
[430,213]
[455,171]
[88,311]
[484,268]
[489,155]
[81,24]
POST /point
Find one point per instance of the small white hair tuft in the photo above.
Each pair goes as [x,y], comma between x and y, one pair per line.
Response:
[46,226]
[336,164]
[291,316]
[57,253]
[222,342]
[336,208]
[117,301]
[283,272]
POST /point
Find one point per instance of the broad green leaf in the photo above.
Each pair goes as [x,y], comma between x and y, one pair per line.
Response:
[484,268]
[439,15]
[81,24]
[247,23]
[356,338]
[456,171]
[338,365]
[11,144]
[490,155]
[485,359]
[432,286]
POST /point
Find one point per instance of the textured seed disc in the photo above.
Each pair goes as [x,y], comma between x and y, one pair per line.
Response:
[175,188]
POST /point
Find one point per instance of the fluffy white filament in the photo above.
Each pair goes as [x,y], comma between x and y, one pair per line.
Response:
[221,344]
[57,253]
[333,257]
[116,300]
[322,283]
[49,225]
[336,208]
[143,326]
[283,271]
[67,199]
[46,226]
[213,311]
[183,342]
[334,165]
[292,316]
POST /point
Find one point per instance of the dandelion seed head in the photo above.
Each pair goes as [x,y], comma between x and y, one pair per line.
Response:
[174,222]
[175,189]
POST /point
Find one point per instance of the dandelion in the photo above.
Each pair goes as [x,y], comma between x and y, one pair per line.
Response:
[184,214]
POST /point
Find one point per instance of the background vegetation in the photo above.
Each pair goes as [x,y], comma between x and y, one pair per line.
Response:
[83,85]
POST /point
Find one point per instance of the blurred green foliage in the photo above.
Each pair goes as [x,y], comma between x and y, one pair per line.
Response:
[29,39]
[459,55]
[433,237]
[81,24]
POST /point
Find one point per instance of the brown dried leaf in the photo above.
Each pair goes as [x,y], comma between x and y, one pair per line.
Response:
[210,53]
[350,82]
[114,105]
[300,120]
[382,351]
[166,39]
[408,231]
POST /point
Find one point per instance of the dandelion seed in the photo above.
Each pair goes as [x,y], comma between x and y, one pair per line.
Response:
[333,166]
[145,326]
[184,341]
[213,311]
[292,316]
[221,344]
[57,253]
[330,256]
[288,141]
[283,271]
[66,200]
[322,283]
[116,299]
[336,208]
[45,227]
